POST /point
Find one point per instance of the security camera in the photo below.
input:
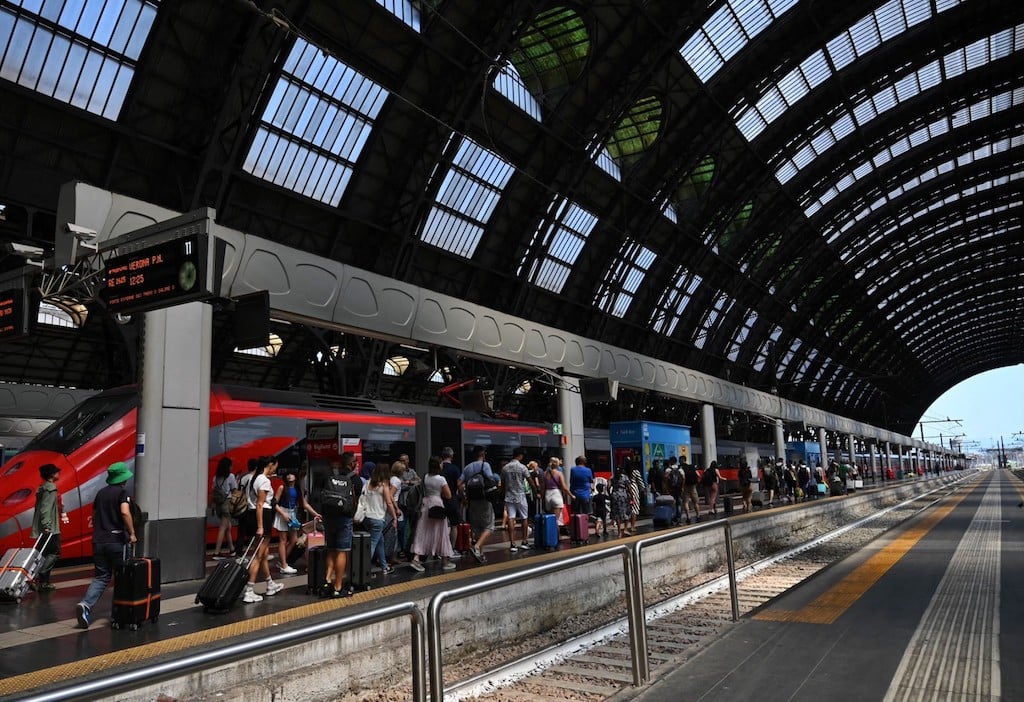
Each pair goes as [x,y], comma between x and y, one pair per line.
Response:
[27,250]
[82,233]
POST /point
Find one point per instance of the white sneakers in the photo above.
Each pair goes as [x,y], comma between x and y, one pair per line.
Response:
[250,596]
[287,570]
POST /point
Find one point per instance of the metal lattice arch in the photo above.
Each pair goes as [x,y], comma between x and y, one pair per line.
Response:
[818,201]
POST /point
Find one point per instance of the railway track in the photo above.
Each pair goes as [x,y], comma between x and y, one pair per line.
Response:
[596,665]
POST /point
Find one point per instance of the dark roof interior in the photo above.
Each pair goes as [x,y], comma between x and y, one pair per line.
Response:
[817,199]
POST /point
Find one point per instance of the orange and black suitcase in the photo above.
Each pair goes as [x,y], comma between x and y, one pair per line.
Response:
[136,593]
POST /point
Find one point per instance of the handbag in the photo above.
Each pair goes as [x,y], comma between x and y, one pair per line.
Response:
[436,512]
[360,514]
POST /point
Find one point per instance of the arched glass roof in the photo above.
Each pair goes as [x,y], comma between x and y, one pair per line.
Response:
[793,195]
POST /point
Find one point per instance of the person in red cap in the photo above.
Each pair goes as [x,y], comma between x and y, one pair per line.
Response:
[112,529]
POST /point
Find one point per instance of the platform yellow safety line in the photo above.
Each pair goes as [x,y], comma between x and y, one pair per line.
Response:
[831,604]
[115,660]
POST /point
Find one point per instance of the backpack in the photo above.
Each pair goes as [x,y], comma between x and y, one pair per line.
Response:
[219,493]
[709,476]
[477,485]
[689,475]
[237,504]
[138,519]
[338,498]
[413,499]
[674,478]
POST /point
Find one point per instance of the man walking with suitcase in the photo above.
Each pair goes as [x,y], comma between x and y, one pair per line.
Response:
[46,520]
[112,529]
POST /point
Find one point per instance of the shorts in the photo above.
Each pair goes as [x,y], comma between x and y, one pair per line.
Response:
[222,509]
[268,522]
[582,505]
[481,516]
[517,510]
[338,533]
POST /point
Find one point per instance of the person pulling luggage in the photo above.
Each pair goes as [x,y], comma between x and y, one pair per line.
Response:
[46,519]
[113,527]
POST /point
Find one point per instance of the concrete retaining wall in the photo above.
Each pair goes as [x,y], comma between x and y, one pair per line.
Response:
[376,656]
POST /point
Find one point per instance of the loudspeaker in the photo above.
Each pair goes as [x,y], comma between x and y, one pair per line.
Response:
[598,390]
[251,321]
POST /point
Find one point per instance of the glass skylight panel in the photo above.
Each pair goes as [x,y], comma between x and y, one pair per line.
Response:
[670,307]
[403,10]
[669,210]
[606,163]
[867,109]
[727,31]
[509,84]
[624,277]
[720,307]
[466,200]
[315,125]
[562,240]
[80,53]
[733,352]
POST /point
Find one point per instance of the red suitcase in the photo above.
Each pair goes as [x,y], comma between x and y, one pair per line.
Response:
[579,528]
[464,538]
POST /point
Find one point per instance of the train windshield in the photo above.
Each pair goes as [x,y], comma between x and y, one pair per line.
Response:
[83,423]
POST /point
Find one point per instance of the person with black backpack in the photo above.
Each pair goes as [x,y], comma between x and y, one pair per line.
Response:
[672,484]
[475,483]
[338,501]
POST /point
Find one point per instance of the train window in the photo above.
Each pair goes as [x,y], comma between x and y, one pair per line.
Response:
[13,469]
[84,422]
[17,496]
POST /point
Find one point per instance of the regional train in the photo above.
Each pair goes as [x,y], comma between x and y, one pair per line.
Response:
[244,423]
[247,423]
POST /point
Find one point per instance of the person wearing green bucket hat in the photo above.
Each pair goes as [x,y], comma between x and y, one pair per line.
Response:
[113,527]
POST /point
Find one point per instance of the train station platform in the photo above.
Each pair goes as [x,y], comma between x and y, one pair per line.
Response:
[926,608]
[932,611]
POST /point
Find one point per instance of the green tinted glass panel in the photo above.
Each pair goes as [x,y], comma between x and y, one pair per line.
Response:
[699,180]
[741,218]
[552,51]
[637,130]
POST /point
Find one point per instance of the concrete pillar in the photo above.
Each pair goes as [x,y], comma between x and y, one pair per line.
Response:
[823,443]
[172,459]
[780,441]
[899,458]
[570,414]
[872,461]
[851,443]
[708,440]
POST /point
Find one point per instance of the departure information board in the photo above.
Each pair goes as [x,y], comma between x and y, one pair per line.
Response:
[13,314]
[158,275]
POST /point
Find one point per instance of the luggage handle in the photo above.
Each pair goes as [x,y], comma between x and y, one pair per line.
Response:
[246,558]
[41,545]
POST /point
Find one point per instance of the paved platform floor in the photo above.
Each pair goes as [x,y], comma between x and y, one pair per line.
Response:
[934,611]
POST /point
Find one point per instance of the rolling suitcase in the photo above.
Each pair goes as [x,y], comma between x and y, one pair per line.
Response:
[18,567]
[358,566]
[136,593]
[316,570]
[545,532]
[224,585]
[579,528]
[664,511]
[464,538]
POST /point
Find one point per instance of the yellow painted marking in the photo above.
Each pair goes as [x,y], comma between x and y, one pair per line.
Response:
[831,604]
[206,638]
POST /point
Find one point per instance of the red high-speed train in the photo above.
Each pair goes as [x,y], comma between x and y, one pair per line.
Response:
[244,423]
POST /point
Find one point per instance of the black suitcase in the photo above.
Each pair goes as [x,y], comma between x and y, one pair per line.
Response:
[358,566]
[136,593]
[224,585]
[316,570]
